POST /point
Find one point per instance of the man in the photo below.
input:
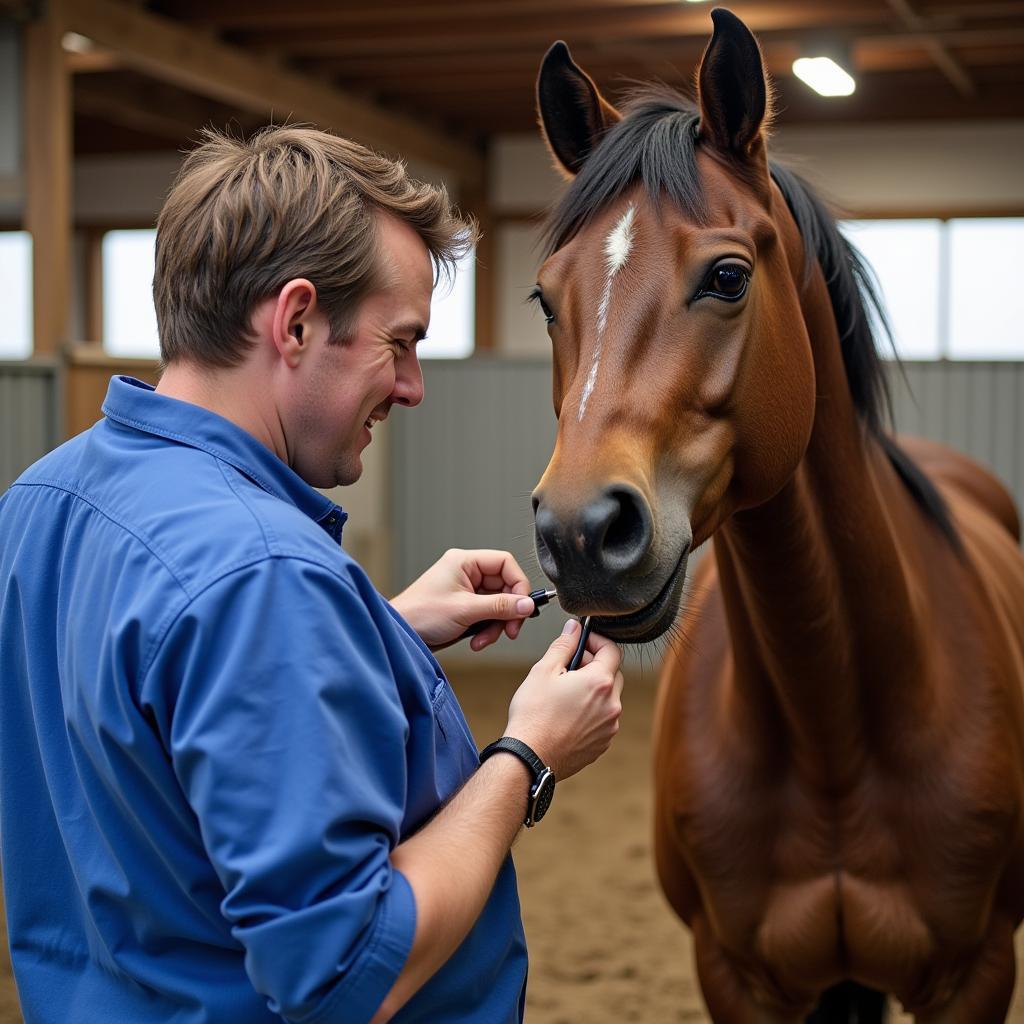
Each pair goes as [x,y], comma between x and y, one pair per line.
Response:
[236,786]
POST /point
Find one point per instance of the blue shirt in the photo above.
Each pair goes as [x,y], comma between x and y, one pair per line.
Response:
[213,731]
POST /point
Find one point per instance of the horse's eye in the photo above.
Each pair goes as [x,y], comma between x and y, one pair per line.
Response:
[537,296]
[726,281]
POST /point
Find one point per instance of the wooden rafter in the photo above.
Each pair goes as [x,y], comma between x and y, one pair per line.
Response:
[186,57]
[938,50]
[415,38]
[149,107]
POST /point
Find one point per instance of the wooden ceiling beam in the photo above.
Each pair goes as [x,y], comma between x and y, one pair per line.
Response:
[514,86]
[152,108]
[266,13]
[414,39]
[968,10]
[118,110]
[92,61]
[938,50]
[366,71]
[172,52]
[256,14]
[899,97]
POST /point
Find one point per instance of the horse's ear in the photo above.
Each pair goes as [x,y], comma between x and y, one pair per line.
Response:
[732,87]
[573,114]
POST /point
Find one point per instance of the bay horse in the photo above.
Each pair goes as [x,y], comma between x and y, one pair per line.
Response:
[839,741]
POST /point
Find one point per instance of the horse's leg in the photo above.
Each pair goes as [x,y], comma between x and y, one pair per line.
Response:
[728,998]
[985,994]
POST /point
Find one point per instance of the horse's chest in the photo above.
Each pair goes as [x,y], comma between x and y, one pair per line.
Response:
[805,891]
[837,924]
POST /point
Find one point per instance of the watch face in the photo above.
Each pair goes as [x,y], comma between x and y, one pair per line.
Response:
[540,796]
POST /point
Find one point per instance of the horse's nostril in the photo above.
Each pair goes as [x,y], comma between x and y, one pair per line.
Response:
[610,534]
[628,532]
[546,531]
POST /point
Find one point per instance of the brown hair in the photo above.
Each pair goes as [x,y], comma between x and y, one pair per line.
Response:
[245,216]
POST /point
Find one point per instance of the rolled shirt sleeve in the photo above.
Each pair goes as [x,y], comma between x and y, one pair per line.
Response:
[288,734]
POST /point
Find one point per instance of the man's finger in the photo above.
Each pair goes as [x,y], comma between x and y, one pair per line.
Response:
[486,637]
[563,646]
[480,564]
[605,651]
[617,686]
[506,606]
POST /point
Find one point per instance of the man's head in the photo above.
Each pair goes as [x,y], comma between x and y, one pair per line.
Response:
[295,256]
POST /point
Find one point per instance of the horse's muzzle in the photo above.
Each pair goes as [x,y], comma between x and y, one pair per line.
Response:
[603,558]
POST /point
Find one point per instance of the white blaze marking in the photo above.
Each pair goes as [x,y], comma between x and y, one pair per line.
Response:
[617,247]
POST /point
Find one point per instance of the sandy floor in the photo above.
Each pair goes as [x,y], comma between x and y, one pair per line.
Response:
[604,946]
[605,949]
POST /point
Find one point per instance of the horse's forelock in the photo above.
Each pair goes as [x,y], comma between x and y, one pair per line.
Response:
[654,143]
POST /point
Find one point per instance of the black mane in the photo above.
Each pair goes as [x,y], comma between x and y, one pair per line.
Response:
[656,143]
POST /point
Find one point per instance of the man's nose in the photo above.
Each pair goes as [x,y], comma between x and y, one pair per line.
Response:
[409,382]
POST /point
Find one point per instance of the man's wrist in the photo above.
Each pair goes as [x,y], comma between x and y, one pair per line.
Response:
[541,777]
[511,764]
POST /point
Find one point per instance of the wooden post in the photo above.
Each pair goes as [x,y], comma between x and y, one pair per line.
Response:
[48,142]
[94,284]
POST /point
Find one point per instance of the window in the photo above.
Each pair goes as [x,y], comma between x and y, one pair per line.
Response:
[947,285]
[986,301]
[16,276]
[129,319]
[452,331]
[905,256]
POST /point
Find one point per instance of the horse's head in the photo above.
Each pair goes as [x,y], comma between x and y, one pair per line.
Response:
[683,376]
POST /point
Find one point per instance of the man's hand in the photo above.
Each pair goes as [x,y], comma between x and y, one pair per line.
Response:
[462,588]
[569,718]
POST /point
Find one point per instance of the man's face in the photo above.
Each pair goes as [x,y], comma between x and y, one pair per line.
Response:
[344,390]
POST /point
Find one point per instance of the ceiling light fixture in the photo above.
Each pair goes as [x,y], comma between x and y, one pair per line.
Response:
[824,75]
[74,42]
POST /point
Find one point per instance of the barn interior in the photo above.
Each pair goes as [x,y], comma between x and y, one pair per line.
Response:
[100,99]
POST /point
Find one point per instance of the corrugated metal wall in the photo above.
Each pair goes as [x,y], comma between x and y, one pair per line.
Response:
[30,415]
[464,463]
[975,407]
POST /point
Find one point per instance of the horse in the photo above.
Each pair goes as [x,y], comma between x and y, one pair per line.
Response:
[839,734]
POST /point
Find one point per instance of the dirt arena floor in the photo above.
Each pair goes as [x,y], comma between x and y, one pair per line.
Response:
[604,947]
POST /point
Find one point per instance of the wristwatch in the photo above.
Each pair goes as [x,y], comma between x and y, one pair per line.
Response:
[542,789]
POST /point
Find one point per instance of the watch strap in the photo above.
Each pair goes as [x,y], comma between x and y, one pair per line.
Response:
[513,746]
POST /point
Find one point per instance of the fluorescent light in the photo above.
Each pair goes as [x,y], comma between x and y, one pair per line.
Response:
[73,42]
[824,76]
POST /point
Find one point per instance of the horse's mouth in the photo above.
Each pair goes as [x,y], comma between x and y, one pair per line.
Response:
[653,619]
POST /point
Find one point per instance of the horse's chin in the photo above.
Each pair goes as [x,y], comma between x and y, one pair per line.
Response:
[650,621]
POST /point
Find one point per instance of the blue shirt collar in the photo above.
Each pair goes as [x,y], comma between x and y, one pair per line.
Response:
[138,405]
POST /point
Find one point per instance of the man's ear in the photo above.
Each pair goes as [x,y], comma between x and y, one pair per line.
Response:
[573,114]
[292,321]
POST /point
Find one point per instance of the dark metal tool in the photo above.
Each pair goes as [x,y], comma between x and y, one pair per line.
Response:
[582,645]
[540,598]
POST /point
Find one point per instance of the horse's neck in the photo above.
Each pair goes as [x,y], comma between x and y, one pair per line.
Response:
[820,609]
